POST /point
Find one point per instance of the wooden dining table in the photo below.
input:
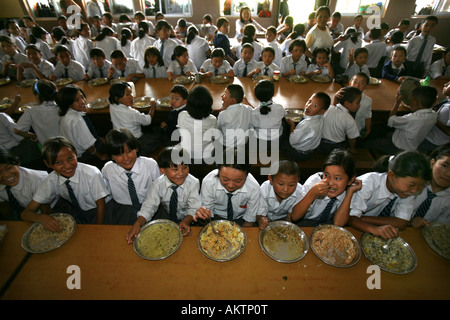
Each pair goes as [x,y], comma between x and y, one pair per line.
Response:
[107,267]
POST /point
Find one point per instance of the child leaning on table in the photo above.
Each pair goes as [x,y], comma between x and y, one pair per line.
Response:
[37,68]
[181,65]
[266,67]
[99,66]
[129,175]
[123,67]
[363,116]
[66,67]
[176,190]
[279,194]
[245,64]
[216,65]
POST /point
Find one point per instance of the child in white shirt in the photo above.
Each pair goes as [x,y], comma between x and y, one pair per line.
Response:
[122,67]
[363,116]
[83,45]
[245,64]
[377,52]
[294,64]
[271,38]
[165,44]
[154,65]
[141,43]
[12,57]
[37,68]
[357,62]
[266,67]
[321,65]
[181,65]
[99,67]
[66,67]
[216,65]
[107,41]
[198,47]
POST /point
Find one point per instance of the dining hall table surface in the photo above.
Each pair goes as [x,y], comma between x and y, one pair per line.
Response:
[107,267]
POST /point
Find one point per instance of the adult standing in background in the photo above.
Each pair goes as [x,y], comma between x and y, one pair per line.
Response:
[95,7]
[319,35]
[245,17]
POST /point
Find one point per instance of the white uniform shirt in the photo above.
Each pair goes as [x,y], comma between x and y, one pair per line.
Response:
[374,196]
[269,126]
[287,64]
[436,135]
[257,50]
[160,71]
[169,45]
[314,67]
[240,25]
[364,112]
[207,66]
[412,128]
[355,68]
[339,124]
[144,172]
[197,50]
[8,138]
[239,67]
[132,66]
[74,128]
[377,50]
[307,134]
[413,48]
[108,44]
[45,49]
[16,58]
[245,200]
[175,67]
[81,51]
[278,55]
[269,205]
[234,123]
[160,192]
[45,67]
[439,210]
[94,72]
[138,47]
[128,117]
[438,68]
[270,68]
[75,70]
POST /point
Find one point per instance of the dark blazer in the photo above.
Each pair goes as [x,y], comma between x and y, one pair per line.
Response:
[388,73]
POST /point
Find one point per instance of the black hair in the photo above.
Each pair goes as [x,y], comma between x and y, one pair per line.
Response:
[288,167]
[441,151]
[139,14]
[117,54]
[62,17]
[182,23]
[349,94]
[109,16]
[358,51]
[159,14]
[336,14]
[152,50]
[400,48]
[404,22]
[124,18]
[270,49]
[405,164]
[272,29]
[9,40]
[325,98]
[320,50]
[61,48]
[397,37]
[323,8]
[162,23]
[45,90]
[192,31]
[125,35]
[242,10]
[341,158]
[431,18]
[143,29]
[207,17]
[354,36]
[181,90]
[66,96]
[220,22]
[247,45]
[298,30]
[59,34]
[199,103]
[53,145]
[116,139]
[298,43]
[425,95]
[32,47]
[375,33]
[97,52]
[171,156]
[117,91]
[289,20]
[384,26]
[179,50]
[6,157]
[236,91]
[218,53]
[249,30]
[82,25]
[235,163]
[36,33]
[364,75]
[264,91]
[106,31]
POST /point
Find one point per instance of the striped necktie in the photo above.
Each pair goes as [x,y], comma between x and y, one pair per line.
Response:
[14,205]
[72,196]
[325,215]
[173,204]
[161,51]
[245,70]
[182,71]
[295,67]
[133,193]
[266,71]
[90,126]
[230,212]
[122,73]
[425,205]
[386,212]
[216,71]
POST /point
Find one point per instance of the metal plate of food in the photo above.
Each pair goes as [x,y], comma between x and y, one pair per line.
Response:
[26,83]
[163,102]
[399,257]
[142,102]
[117,80]
[158,240]
[63,81]
[219,79]
[373,80]
[99,104]
[258,77]
[283,241]
[4,81]
[37,239]
[298,79]
[5,103]
[320,78]
[294,114]
[183,80]
[98,82]
[335,246]
[28,106]
[437,236]
[227,245]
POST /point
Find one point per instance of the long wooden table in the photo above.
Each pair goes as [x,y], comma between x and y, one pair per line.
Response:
[110,269]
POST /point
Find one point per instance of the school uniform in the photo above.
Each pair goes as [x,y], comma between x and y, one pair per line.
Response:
[360,30]
[44,119]
[257,50]
[95,72]
[160,192]
[45,49]
[172,121]
[270,207]
[364,112]
[155,71]
[45,67]
[16,58]
[377,50]
[389,50]
[207,66]
[436,137]
[29,182]
[221,41]
[132,66]
[138,47]
[278,55]
[344,47]
[239,67]
[197,50]
[374,196]
[81,48]
[166,48]
[336,31]
[20,42]
[234,123]
[126,49]
[287,64]
[355,68]
[287,43]
[391,72]
[88,185]
[108,45]
[177,70]
[266,70]
[240,25]
[74,128]
[73,70]
[439,208]
[414,48]
[314,67]
[268,127]
[439,68]
[245,201]
[8,138]
[151,27]
[145,170]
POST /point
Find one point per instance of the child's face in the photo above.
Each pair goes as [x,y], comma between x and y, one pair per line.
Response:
[247,54]
[106,21]
[403,27]
[441,171]
[13,28]
[297,52]
[8,48]
[176,100]
[119,63]
[183,59]
[34,56]
[358,21]
[314,106]
[64,57]
[337,179]
[127,98]
[176,174]
[152,59]
[353,106]
[267,57]
[217,62]
[270,36]
[404,187]
[65,164]
[225,28]
[359,82]
[232,179]
[9,174]
[335,21]
[164,33]
[361,59]
[283,185]
[127,159]
[246,15]
[321,58]
[96,22]
[86,32]
[80,102]
[227,100]
[398,57]
[98,61]
[427,27]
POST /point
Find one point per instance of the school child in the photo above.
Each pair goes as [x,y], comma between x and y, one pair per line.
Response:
[357,25]
[376,52]
[66,67]
[142,42]
[178,99]
[402,26]
[266,67]
[165,44]
[246,63]
[304,138]
[327,195]
[339,128]
[18,184]
[29,23]
[123,115]
[11,58]
[216,65]
[357,62]
[99,66]
[60,37]
[433,203]
[194,121]
[126,36]
[234,119]
[210,27]
[420,48]
[108,21]
[440,69]
[176,190]
[107,42]
[69,30]
[335,26]
[249,37]
[14,32]
[96,25]
[81,188]
[284,28]
[76,125]
[385,203]
[38,37]
[181,65]
[297,33]
[320,65]
[154,64]
[43,117]
[230,192]
[279,194]
[181,29]
[396,69]
[245,18]
[122,67]
[198,48]
[363,116]
[139,16]
[221,39]
[271,38]
[294,63]
[37,68]
[345,44]
[83,45]
[129,175]
[414,32]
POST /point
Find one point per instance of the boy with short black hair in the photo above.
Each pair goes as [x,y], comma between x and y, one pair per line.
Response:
[266,67]
[66,67]
[100,65]
[396,69]
[245,64]
[178,99]
[124,67]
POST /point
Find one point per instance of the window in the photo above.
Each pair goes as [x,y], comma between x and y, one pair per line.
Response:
[300,10]
[427,7]
[121,7]
[364,7]
[258,8]
[44,8]
[168,7]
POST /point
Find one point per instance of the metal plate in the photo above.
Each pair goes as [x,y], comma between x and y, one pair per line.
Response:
[335,256]
[229,230]
[39,240]
[99,104]
[183,80]
[163,102]
[286,250]
[26,83]
[298,79]
[4,81]
[320,78]
[158,240]
[373,80]
[63,81]
[400,258]
[142,103]
[5,103]
[117,80]
[294,114]
[98,82]
[437,236]
[219,79]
